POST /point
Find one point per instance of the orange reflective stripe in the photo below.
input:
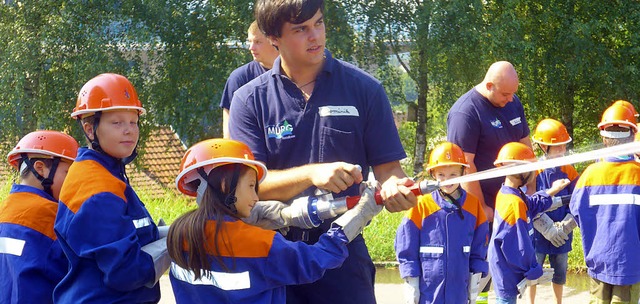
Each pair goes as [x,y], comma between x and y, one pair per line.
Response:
[85,179]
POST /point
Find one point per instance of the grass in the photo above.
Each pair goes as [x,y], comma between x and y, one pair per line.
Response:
[379,235]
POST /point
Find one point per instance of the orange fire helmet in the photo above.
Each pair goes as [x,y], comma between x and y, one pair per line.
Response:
[628,105]
[551,132]
[212,153]
[446,154]
[107,92]
[617,115]
[515,153]
[49,144]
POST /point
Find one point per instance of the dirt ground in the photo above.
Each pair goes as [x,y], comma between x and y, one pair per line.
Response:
[392,294]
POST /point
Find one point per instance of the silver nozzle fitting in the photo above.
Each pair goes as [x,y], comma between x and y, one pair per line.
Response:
[428,186]
[330,209]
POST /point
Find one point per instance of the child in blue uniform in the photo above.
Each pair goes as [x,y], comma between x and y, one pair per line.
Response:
[220,259]
[441,244]
[552,235]
[31,261]
[605,205]
[511,255]
[115,251]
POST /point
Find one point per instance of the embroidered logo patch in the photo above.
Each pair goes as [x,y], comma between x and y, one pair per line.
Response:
[280,131]
[338,111]
[496,124]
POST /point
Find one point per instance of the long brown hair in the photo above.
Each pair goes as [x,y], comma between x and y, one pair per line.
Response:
[189,229]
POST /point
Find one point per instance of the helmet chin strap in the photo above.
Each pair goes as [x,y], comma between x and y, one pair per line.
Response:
[45,182]
[230,199]
[453,200]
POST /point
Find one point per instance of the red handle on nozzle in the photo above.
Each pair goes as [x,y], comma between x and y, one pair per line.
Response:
[352,201]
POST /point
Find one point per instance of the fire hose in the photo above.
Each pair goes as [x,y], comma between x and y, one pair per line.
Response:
[319,209]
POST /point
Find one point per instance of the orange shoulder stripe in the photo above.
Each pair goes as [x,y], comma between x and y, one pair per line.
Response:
[239,240]
[510,208]
[425,207]
[472,205]
[610,173]
[85,179]
[30,210]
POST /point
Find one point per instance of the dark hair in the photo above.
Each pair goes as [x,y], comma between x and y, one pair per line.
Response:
[610,142]
[271,15]
[187,233]
[48,162]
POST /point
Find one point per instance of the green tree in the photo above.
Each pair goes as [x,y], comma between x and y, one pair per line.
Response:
[442,42]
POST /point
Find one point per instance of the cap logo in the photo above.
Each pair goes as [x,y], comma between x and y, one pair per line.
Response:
[126,94]
[448,155]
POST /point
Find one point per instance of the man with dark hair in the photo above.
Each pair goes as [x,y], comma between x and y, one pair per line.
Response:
[314,120]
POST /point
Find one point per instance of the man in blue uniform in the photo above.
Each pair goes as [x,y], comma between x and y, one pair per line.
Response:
[263,54]
[482,121]
[312,119]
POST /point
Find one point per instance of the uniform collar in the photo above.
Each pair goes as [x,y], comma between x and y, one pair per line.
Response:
[112,164]
[619,159]
[17,188]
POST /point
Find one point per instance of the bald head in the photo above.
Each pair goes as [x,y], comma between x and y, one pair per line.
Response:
[499,84]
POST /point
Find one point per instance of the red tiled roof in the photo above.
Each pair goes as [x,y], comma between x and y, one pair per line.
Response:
[159,163]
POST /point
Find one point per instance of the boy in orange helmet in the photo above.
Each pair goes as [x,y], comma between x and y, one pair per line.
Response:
[553,229]
[605,206]
[512,260]
[442,241]
[31,260]
[116,253]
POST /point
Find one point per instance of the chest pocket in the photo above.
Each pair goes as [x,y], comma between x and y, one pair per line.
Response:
[338,145]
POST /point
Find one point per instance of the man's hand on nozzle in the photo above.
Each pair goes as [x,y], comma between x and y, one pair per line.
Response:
[335,177]
[396,194]
[355,219]
[558,185]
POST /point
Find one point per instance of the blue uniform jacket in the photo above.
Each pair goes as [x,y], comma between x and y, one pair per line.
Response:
[606,205]
[101,225]
[441,248]
[511,254]
[31,261]
[262,262]
[543,182]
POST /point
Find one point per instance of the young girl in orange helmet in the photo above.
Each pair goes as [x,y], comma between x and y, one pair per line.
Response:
[220,259]
[115,251]
[441,244]
[31,260]
[512,258]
